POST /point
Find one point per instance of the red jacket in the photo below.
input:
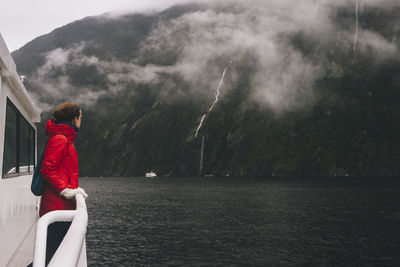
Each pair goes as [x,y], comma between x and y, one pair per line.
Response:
[59,167]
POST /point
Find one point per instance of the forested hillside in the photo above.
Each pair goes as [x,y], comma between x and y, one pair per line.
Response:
[308,89]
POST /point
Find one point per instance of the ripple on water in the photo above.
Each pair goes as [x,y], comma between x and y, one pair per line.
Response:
[219,222]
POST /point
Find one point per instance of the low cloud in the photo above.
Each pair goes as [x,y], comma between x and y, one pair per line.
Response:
[55,83]
[227,34]
[261,31]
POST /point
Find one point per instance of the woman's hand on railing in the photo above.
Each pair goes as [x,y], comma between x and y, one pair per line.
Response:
[69,193]
[83,192]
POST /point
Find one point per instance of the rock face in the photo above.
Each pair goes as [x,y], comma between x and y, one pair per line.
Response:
[310,89]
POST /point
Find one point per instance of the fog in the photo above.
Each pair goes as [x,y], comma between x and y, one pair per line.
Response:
[228,34]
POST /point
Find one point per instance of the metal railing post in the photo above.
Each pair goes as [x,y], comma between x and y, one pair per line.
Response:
[69,251]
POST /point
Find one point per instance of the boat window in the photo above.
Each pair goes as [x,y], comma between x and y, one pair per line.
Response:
[32,140]
[19,144]
[10,142]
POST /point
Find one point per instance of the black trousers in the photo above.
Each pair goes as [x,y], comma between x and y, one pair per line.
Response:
[55,235]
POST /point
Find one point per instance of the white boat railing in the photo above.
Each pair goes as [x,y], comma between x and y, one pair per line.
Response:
[68,253]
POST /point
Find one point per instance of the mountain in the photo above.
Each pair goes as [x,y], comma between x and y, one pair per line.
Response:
[309,89]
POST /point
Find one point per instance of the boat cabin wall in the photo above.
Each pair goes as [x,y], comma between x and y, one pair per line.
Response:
[8,95]
[13,93]
[18,206]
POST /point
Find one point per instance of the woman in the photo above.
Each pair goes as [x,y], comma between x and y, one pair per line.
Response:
[60,171]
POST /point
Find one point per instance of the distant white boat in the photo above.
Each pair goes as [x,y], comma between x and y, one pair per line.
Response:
[150,175]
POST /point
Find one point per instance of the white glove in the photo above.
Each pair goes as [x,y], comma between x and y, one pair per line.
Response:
[69,193]
[83,192]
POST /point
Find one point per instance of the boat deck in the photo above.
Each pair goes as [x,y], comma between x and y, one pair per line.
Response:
[24,254]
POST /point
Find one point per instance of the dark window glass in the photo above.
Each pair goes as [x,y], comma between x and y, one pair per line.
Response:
[24,145]
[19,144]
[10,142]
[32,151]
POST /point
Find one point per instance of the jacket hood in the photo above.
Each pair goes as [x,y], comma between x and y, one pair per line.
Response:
[54,127]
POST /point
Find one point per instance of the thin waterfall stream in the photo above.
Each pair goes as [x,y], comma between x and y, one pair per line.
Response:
[213,104]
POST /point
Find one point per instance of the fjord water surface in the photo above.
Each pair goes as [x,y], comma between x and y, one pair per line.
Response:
[236,222]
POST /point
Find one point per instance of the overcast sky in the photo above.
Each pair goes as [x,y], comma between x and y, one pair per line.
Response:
[23,20]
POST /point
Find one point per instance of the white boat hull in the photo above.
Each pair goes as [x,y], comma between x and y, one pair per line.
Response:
[18,213]
[150,175]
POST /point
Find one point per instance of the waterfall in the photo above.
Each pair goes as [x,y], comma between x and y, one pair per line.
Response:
[213,104]
[356,33]
[201,156]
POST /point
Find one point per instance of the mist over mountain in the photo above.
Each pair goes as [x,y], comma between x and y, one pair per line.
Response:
[301,89]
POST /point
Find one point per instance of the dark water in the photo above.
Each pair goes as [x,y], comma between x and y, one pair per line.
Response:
[242,222]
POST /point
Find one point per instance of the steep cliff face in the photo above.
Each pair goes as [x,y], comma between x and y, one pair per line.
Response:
[308,89]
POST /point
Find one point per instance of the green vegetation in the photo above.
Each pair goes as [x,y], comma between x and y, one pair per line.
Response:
[353,128]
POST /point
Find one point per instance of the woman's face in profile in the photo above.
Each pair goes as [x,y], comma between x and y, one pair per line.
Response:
[77,121]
